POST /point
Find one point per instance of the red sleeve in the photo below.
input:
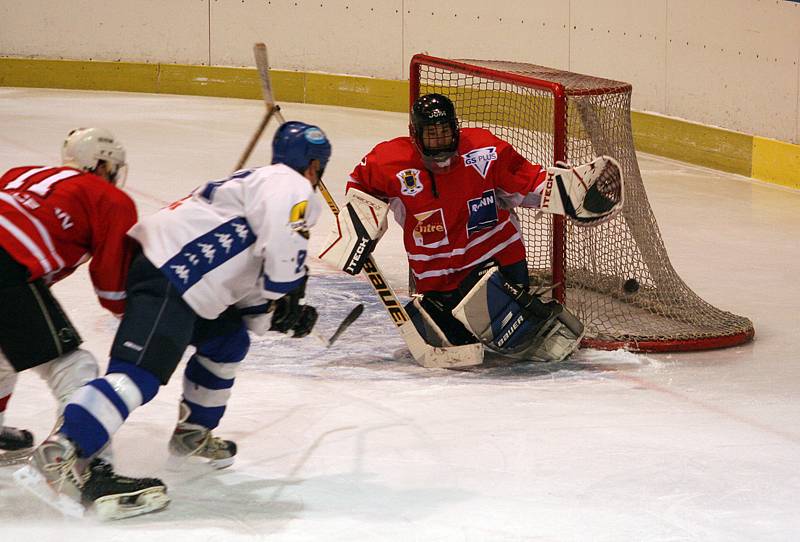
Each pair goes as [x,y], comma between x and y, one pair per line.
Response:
[112,250]
[368,175]
[516,175]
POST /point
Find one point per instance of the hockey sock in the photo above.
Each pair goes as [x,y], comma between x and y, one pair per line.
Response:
[98,409]
[209,377]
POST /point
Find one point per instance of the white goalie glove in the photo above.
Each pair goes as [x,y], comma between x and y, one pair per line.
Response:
[360,224]
[589,194]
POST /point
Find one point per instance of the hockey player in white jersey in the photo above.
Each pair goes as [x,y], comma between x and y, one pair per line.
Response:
[229,257]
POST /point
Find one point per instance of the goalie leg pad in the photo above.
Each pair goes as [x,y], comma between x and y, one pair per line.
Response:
[360,225]
[514,323]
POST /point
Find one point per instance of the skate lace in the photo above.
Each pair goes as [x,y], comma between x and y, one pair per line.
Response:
[65,468]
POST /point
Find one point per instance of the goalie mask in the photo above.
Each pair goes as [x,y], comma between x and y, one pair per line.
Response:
[434,129]
[87,148]
[297,143]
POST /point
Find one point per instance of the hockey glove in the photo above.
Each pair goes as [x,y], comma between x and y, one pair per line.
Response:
[589,194]
[289,315]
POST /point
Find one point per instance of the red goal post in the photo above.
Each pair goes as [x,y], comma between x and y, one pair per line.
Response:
[616,276]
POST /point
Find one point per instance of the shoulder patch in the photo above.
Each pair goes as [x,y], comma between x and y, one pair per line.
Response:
[297,218]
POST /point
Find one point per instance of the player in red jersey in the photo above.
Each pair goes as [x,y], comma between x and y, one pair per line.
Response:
[453,191]
[52,220]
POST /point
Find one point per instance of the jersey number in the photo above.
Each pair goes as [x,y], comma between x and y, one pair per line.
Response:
[42,187]
[207,193]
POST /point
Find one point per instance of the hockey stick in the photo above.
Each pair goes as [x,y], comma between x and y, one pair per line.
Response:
[423,353]
[256,136]
[346,323]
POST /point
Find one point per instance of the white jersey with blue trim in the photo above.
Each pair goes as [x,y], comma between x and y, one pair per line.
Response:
[231,236]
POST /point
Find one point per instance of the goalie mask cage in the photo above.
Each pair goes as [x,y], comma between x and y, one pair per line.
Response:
[616,276]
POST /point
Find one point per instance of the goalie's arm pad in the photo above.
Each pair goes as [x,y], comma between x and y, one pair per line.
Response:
[360,224]
[590,193]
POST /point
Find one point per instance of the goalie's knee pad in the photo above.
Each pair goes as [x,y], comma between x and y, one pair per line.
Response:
[513,322]
[361,223]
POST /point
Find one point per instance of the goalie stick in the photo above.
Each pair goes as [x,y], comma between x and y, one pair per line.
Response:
[423,353]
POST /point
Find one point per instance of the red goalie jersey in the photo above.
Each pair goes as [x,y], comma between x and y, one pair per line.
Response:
[453,220]
[53,219]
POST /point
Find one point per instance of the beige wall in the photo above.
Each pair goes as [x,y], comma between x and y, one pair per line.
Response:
[728,63]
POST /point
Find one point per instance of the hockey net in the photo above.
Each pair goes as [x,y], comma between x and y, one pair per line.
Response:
[616,276]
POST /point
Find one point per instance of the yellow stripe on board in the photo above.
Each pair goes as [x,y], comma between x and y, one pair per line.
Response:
[776,162]
[694,143]
[765,159]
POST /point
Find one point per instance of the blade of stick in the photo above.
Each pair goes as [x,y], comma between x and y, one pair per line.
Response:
[347,322]
[262,64]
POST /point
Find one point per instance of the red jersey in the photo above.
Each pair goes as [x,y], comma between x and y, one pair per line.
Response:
[454,220]
[53,219]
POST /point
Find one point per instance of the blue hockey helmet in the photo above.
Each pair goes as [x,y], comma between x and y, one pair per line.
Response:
[297,143]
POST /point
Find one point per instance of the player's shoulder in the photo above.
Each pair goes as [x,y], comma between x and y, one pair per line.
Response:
[476,137]
[280,178]
[98,188]
[399,148]
[15,172]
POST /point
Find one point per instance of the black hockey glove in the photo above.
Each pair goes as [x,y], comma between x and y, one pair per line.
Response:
[290,315]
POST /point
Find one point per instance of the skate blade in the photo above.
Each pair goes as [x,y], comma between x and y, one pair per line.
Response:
[128,505]
[31,480]
[180,462]
[15,457]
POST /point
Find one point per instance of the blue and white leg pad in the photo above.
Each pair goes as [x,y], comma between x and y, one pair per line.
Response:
[493,311]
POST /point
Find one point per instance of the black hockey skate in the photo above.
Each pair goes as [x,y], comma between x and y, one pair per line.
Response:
[193,440]
[16,445]
[61,479]
[190,440]
[114,496]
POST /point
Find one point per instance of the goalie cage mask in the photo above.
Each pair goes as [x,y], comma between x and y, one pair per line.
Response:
[430,110]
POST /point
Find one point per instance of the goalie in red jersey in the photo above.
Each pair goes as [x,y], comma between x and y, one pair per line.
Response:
[453,191]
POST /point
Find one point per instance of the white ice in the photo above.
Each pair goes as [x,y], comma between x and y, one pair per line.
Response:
[358,443]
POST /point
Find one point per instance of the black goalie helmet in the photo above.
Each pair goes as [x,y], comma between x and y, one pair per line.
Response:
[433,110]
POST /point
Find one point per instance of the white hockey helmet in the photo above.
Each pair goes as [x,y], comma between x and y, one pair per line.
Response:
[85,148]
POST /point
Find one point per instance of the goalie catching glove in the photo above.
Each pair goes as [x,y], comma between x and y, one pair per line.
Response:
[590,193]
[361,223]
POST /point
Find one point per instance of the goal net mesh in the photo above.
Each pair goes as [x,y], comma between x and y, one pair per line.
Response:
[616,276]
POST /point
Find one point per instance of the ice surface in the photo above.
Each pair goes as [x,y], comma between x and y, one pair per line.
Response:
[356,442]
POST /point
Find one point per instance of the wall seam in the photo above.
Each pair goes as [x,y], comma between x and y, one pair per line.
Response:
[209,32]
[666,56]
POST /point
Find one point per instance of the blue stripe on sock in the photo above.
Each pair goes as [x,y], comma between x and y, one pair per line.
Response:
[206,416]
[201,376]
[146,381]
[84,430]
[102,385]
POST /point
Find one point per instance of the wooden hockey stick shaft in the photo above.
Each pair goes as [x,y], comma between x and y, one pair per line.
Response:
[271,111]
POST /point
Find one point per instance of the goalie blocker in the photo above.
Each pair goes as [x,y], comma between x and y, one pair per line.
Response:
[360,225]
[513,322]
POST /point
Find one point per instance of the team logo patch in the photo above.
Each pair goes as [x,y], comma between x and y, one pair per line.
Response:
[482,212]
[430,231]
[315,136]
[297,218]
[481,159]
[410,184]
